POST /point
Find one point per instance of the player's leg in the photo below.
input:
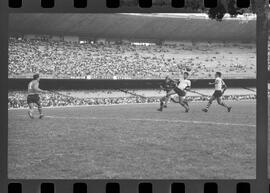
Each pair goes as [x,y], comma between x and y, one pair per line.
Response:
[220,102]
[213,97]
[31,106]
[41,115]
[183,103]
[31,110]
[166,101]
[161,104]
[38,102]
[174,99]
[186,102]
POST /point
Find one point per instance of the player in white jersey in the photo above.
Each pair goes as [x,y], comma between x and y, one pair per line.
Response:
[180,89]
[33,96]
[183,86]
[220,88]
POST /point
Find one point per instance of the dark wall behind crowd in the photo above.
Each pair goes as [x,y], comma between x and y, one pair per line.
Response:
[83,84]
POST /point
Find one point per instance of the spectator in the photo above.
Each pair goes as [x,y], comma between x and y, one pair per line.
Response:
[60,59]
[17,99]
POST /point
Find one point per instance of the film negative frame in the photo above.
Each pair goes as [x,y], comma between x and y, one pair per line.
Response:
[260,184]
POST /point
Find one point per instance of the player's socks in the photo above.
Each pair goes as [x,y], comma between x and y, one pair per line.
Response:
[207,107]
[161,106]
[165,102]
[228,108]
[40,110]
[30,114]
[41,116]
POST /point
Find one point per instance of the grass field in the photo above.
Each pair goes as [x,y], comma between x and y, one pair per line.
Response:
[134,142]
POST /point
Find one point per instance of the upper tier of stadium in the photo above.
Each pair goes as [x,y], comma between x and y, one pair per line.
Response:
[191,27]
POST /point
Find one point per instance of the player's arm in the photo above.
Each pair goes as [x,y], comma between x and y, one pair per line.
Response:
[170,79]
[224,86]
[212,83]
[163,87]
[176,82]
[164,84]
[188,87]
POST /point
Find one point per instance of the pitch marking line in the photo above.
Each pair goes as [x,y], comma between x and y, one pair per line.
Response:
[153,120]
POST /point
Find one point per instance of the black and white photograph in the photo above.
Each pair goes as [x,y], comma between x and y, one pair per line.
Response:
[131,96]
[268,100]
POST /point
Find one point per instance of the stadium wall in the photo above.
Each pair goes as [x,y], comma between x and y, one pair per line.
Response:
[83,84]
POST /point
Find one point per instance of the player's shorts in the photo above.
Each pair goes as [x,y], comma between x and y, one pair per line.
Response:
[180,92]
[34,98]
[217,94]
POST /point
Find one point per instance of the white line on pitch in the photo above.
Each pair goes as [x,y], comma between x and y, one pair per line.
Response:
[153,120]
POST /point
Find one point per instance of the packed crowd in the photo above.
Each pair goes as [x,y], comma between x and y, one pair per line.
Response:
[61,59]
[17,99]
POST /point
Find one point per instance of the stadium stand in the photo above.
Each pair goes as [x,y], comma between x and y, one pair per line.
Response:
[210,47]
[61,59]
[17,99]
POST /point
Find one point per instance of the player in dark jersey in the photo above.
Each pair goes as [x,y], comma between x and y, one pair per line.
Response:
[178,87]
[33,96]
[167,86]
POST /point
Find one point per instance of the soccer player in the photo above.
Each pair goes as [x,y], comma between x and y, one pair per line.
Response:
[33,96]
[220,88]
[168,86]
[180,88]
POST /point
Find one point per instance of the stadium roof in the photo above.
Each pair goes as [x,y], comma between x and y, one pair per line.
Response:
[164,26]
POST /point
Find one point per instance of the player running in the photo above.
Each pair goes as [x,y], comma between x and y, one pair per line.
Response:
[33,96]
[180,88]
[220,88]
[167,86]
